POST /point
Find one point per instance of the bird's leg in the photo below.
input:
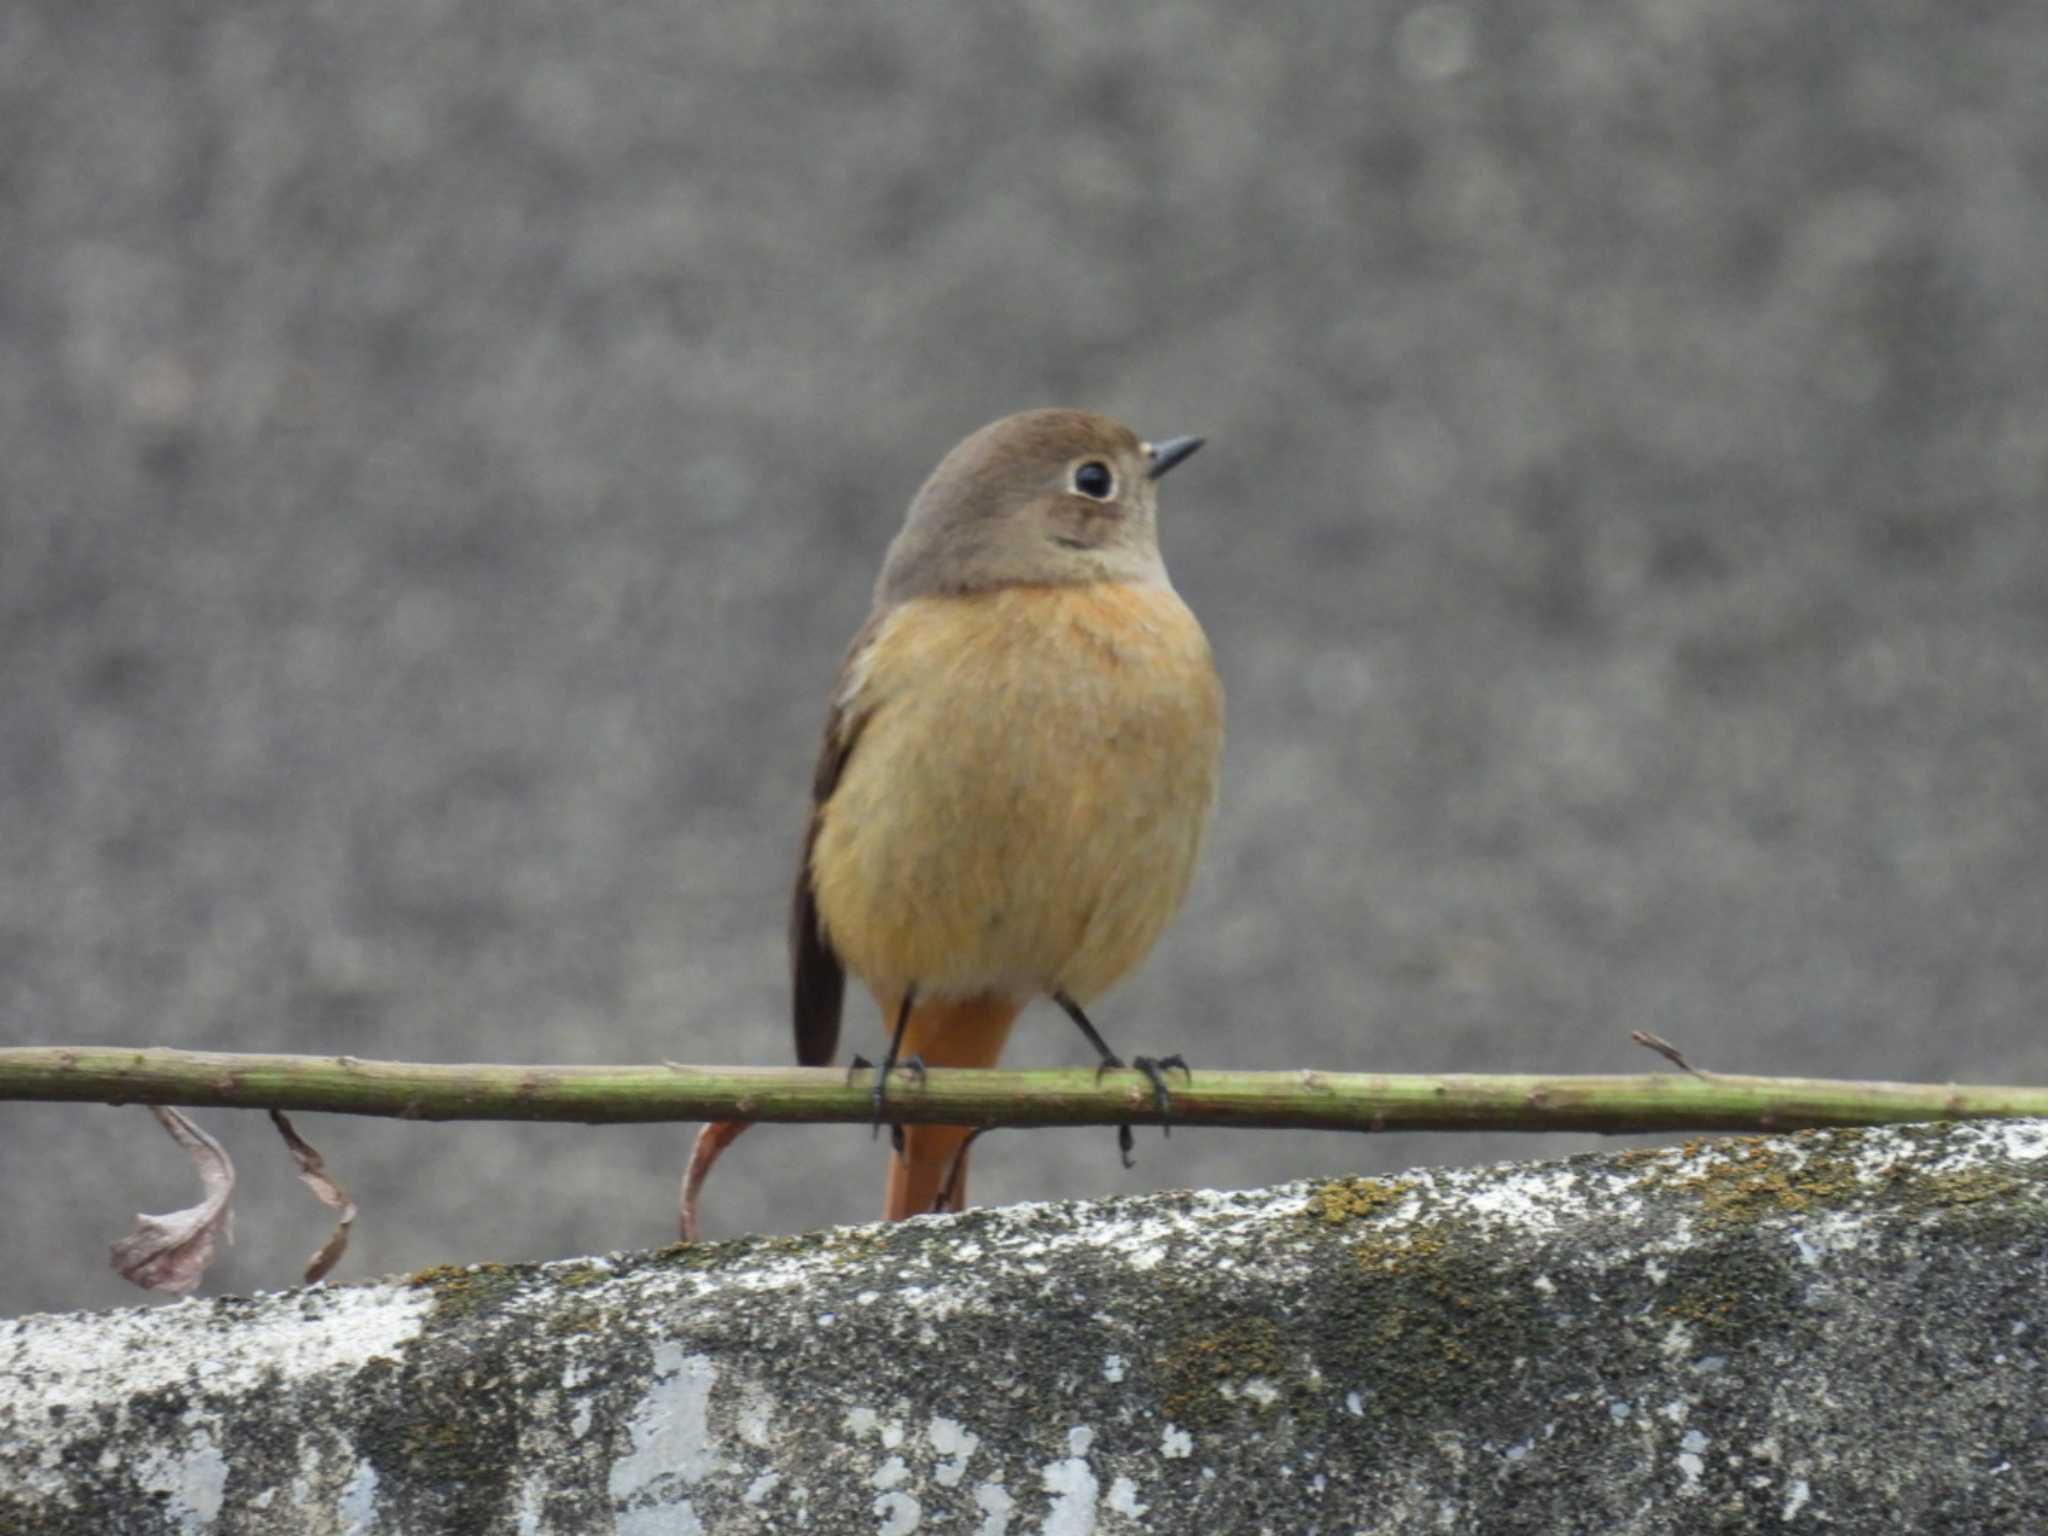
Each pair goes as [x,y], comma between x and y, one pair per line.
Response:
[890,1061]
[1153,1069]
[858,1064]
[1073,1011]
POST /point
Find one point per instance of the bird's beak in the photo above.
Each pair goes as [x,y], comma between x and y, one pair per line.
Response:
[1165,455]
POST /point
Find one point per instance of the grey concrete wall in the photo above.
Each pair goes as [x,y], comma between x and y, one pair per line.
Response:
[443,450]
[1832,1332]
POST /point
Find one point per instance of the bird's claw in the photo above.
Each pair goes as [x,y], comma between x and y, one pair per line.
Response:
[913,1066]
[1154,1070]
[1175,1063]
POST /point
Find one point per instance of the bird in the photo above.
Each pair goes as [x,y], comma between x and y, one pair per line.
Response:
[1019,767]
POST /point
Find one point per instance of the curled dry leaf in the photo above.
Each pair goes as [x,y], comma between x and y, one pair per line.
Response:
[711,1141]
[171,1252]
[326,1189]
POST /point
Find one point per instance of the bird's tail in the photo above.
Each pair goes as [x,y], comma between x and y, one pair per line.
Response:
[945,1032]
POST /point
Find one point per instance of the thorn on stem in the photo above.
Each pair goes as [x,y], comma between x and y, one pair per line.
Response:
[1663,1048]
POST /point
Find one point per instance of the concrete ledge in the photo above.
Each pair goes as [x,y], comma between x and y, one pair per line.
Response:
[1835,1330]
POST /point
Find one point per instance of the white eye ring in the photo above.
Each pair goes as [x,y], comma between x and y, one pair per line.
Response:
[1094,479]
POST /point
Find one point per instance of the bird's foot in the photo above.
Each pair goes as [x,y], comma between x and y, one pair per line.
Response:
[911,1066]
[1154,1070]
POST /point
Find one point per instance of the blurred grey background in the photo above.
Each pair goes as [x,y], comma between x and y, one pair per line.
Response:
[444,450]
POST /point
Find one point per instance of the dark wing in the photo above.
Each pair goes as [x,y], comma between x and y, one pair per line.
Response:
[820,978]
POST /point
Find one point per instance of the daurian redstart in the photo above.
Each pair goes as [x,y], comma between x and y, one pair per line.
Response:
[1018,768]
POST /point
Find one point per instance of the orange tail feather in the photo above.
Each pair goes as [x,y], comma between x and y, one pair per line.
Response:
[947,1032]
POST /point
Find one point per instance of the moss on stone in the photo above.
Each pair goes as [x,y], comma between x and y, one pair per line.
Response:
[1201,1377]
[463,1291]
[1747,1180]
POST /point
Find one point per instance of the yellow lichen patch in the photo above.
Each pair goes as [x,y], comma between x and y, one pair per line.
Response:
[1397,1251]
[1962,1186]
[1753,1179]
[1200,1374]
[720,1253]
[1342,1200]
[1746,1179]
[857,1245]
[436,1274]
[1637,1157]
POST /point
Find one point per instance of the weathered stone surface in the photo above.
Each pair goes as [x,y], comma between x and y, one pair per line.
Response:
[1833,1331]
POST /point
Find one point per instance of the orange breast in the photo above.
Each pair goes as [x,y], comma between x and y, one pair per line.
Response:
[1027,799]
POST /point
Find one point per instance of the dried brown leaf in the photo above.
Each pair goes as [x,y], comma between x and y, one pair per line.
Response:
[711,1141]
[326,1189]
[171,1252]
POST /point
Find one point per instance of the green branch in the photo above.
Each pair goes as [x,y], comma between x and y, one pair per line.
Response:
[1330,1101]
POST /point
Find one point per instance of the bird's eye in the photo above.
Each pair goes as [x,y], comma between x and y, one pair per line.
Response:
[1095,480]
